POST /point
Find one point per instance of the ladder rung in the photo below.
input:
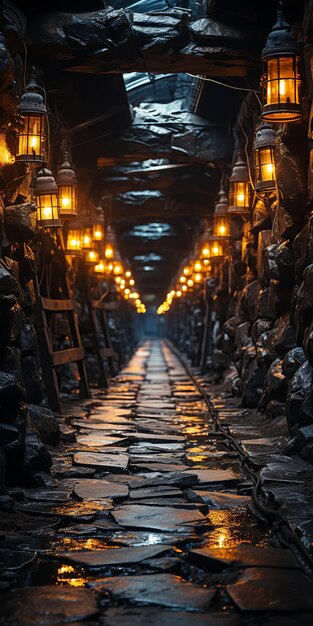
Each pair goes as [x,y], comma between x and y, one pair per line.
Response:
[68,356]
[57,305]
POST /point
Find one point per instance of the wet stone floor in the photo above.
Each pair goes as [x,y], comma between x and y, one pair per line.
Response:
[147,519]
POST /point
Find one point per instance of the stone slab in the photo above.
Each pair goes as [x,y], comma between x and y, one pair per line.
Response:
[168,519]
[102,462]
[160,589]
[15,560]
[207,476]
[220,500]
[99,440]
[243,555]
[275,590]
[113,557]
[47,605]
[96,489]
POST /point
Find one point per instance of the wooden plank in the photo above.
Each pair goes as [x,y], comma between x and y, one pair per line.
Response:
[57,305]
[72,355]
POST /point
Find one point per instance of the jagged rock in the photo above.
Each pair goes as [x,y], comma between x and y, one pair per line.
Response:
[271,271]
[28,343]
[304,303]
[275,382]
[220,360]
[265,307]
[11,390]
[292,361]
[2,469]
[259,327]
[20,222]
[36,456]
[248,355]
[250,300]
[10,361]
[43,422]
[265,352]
[301,251]
[308,343]
[229,327]
[283,336]
[15,320]
[286,265]
[299,387]
[32,379]
[242,339]
[275,409]
[252,387]
[8,284]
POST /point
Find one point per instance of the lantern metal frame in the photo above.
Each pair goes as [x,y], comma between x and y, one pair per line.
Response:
[281,73]
[239,187]
[47,199]
[32,125]
[264,159]
[67,183]
[221,219]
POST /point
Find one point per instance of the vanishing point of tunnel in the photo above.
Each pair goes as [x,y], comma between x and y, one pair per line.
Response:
[156,313]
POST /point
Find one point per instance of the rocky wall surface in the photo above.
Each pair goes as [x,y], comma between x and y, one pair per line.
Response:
[268,335]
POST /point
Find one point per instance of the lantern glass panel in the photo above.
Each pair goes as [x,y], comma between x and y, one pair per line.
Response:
[265,174]
[74,242]
[31,139]
[109,251]
[48,210]
[282,89]
[92,257]
[87,239]
[221,226]
[97,232]
[68,200]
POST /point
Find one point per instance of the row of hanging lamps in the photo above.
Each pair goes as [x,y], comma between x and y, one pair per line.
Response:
[47,200]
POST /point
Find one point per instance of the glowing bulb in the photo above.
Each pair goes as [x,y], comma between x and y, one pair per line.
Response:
[131,282]
[184,288]
[182,279]
[205,251]
[241,197]
[222,230]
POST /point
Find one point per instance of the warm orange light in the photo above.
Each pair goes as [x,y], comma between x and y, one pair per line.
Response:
[184,288]
[128,274]
[100,268]
[187,270]
[117,269]
[97,232]
[109,251]
[178,294]
[92,257]
[198,278]
[131,282]
[182,279]
[197,266]
[189,282]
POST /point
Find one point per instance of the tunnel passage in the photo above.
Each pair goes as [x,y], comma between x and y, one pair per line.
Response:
[155,313]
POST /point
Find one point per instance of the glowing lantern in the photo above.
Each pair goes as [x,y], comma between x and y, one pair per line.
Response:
[67,184]
[182,279]
[109,244]
[197,266]
[117,269]
[240,188]
[264,160]
[221,223]
[32,134]
[178,293]
[97,233]
[92,257]
[281,80]
[131,282]
[184,288]
[100,268]
[47,200]
[197,278]
[128,274]
[87,243]
[190,282]
[187,271]
[74,242]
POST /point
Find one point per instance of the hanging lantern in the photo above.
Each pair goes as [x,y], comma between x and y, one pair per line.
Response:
[74,242]
[100,268]
[281,79]
[197,278]
[67,184]
[87,243]
[182,279]
[47,200]
[190,282]
[117,268]
[187,271]
[240,188]
[264,159]
[97,233]
[212,250]
[197,266]
[109,244]
[221,222]
[92,257]
[31,144]
[184,288]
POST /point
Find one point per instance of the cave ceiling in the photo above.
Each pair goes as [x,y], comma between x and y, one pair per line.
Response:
[142,128]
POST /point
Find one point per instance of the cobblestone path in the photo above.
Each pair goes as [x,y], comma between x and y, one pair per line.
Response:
[146,521]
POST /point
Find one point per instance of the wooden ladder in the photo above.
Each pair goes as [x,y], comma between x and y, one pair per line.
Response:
[45,310]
